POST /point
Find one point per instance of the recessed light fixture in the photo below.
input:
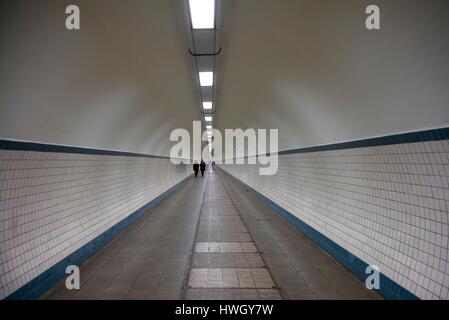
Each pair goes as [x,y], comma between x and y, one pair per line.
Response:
[202,14]
[208,118]
[206,78]
[207,105]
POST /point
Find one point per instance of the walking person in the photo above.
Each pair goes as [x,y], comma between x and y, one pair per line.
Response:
[196,167]
[202,167]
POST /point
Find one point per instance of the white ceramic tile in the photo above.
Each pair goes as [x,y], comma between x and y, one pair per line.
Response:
[52,204]
[386,204]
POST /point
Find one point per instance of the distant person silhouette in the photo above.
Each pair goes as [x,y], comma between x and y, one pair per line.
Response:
[196,167]
[202,167]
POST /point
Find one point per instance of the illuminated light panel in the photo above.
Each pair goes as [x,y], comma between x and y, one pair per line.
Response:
[207,105]
[202,14]
[206,78]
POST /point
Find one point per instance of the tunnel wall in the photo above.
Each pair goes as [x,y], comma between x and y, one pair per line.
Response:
[58,205]
[381,201]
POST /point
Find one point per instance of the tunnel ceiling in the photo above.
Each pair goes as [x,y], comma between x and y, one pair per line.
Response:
[311,69]
[122,82]
[306,67]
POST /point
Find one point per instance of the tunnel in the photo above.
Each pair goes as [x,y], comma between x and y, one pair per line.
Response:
[224,150]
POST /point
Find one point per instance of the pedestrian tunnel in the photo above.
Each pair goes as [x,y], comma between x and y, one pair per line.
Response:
[323,128]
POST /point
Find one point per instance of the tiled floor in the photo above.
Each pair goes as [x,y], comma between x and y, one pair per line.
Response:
[212,239]
[300,269]
[226,262]
[225,247]
[150,259]
[247,278]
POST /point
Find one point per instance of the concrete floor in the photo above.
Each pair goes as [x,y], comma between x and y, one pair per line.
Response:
[212,239]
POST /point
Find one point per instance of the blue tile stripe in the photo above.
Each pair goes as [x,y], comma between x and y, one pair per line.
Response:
[400,138]
[54,148]
[409,137]
[388,288]
[46,280]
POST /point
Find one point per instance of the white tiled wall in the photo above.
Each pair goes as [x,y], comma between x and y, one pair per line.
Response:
[388,205]
[51,204]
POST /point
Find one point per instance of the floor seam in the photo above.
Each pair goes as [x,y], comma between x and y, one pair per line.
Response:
[185,286]
[246,225]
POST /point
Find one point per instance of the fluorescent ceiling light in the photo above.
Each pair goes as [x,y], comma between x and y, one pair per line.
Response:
[207,105]
[202,14]
[208,127]
[206,78]
[208,118]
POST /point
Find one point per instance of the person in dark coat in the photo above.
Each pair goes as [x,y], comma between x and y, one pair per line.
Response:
[202,167]
[196,167]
